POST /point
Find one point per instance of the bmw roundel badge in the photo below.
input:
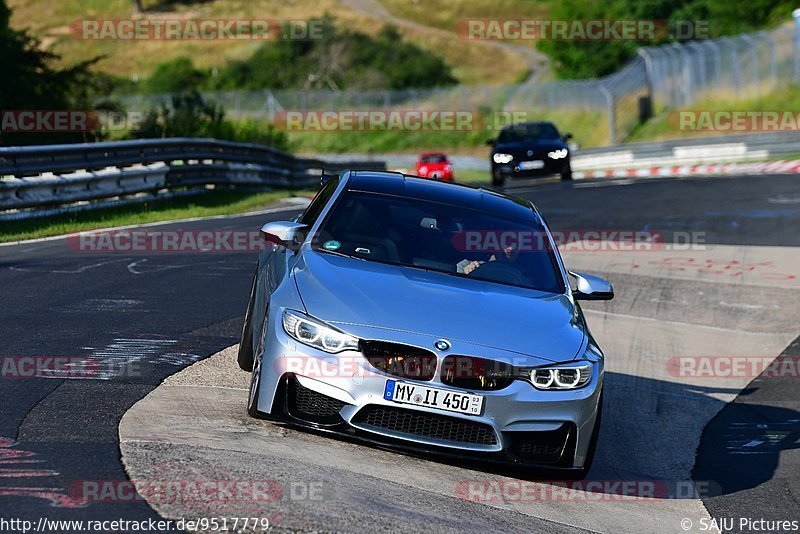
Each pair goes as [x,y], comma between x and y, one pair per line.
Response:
[442,345]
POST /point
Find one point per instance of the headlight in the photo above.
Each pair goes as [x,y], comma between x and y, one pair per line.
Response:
[558,154]
[317,334]
[568,376]
[502,158]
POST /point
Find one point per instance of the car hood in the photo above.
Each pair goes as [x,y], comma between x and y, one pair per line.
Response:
[349,291]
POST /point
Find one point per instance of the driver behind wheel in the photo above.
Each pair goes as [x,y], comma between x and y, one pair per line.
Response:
[466,266]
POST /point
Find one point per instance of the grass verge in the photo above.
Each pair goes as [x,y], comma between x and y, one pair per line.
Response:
[452,15]
[471,176]
[667,126]
[201,205]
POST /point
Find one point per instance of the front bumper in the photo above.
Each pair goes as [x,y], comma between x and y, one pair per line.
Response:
[519,424]
[443,175]
[512,170]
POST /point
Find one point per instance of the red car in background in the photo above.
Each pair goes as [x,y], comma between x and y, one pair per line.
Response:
[434,165]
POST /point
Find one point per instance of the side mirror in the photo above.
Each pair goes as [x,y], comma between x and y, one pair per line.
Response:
[566,136]
[490,142]
[283,233]
[591,287]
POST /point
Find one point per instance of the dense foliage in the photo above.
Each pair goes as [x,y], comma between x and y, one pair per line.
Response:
[589,59]
[30,81]
[339,59]
[189,115]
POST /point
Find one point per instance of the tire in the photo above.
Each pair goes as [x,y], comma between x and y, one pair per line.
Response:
[255,379]
[254,391]
[498,180]
[245,356]
[566,174]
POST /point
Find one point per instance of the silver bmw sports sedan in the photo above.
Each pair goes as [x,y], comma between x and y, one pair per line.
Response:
[426,316]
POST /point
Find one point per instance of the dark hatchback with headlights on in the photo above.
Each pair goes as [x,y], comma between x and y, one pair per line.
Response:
[528,150]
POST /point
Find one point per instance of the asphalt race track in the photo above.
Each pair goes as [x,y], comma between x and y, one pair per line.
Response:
[711,446]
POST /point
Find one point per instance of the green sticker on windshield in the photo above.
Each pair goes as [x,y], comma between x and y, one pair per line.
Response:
[331,245]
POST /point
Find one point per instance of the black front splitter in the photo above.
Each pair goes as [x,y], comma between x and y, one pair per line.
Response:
[500,463]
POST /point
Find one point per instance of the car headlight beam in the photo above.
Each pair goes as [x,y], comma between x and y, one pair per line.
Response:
[559,377]
[543,378]
[502,158]
[317,334]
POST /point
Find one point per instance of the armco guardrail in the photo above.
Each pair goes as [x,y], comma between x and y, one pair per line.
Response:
[61,175]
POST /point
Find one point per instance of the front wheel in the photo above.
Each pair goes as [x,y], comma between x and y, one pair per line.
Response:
[566,173]
[255,378]
[245,356]
[255,390]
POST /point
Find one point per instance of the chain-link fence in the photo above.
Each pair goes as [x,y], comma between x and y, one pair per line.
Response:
[738,67]
[657,79]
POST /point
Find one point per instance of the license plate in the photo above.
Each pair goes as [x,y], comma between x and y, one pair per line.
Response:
[527,165]
[442,399]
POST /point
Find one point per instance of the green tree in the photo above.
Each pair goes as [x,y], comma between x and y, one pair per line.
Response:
[190,115]
[178,75]
[590,59]
[29,81]
[337,60]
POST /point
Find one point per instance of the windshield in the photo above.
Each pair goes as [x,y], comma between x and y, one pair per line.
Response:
[434,158]
[441,237]
[527,132]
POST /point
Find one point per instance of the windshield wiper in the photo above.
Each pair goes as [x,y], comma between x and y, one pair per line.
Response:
[432,270]
[336,253]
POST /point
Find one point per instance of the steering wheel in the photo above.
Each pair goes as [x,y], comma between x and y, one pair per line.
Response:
[500,271]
